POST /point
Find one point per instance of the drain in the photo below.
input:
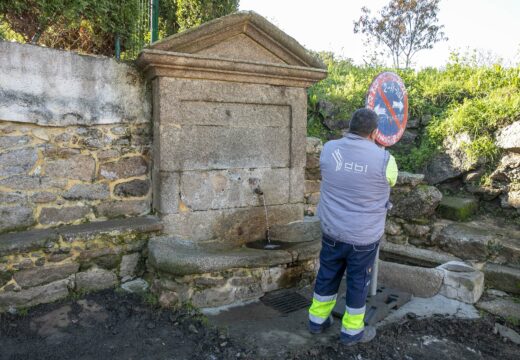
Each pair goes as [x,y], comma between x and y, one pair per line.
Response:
[285,301]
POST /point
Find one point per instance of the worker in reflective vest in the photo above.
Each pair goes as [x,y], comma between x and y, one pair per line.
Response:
[356,178]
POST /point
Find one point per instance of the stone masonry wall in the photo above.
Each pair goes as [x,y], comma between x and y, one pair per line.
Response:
[75,139]
[312,175]
[41,266]
[232,286]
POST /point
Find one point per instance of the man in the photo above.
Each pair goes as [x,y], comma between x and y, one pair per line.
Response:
[355,189]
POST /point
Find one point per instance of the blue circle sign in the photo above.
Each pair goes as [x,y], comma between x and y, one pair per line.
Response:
[388,98]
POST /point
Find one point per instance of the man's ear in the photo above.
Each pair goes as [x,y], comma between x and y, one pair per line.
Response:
[373,135]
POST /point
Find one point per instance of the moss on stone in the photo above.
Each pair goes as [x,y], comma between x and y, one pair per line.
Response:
[5,276]
[457,208]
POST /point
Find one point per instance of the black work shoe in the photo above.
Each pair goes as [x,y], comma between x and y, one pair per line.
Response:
[367,335]
[319,328]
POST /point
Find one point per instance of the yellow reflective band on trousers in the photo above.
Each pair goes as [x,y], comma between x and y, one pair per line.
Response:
[354,321]
[320,310]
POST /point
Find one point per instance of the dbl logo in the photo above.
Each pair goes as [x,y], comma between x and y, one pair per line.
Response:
[349,166]
[338,158]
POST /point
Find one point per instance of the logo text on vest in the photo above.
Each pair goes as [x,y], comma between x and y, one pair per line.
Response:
[338,158]
[349,166]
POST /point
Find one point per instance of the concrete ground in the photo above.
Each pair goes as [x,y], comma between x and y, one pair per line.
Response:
[276,334]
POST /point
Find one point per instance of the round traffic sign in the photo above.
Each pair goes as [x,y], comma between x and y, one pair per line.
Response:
[388,98]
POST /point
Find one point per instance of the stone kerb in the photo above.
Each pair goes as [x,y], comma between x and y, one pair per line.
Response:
[222,130]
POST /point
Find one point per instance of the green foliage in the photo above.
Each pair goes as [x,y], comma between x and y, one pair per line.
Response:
[150,299]
[6,33]
[179,15]
[91,26]
[81,25]
[192,13]
[460,98]
[77,294]
[23,312]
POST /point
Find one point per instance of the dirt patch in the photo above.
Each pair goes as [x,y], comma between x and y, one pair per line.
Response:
[112,325]
[433,339]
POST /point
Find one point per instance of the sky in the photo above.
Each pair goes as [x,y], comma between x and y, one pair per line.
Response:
[490,26]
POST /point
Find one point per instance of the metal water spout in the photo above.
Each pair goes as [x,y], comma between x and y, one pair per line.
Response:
[268,246]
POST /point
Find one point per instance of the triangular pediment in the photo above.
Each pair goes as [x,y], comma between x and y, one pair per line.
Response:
[240,36]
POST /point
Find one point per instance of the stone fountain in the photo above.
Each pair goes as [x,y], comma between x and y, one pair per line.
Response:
[229,112]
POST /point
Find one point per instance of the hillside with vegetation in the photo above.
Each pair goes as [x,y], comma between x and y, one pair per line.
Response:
[461,98]
[456,116]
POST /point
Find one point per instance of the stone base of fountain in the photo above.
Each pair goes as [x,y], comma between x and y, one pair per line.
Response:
[213,274]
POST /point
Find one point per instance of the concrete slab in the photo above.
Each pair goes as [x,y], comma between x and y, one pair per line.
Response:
[436,305]
[272,333]
[378,306]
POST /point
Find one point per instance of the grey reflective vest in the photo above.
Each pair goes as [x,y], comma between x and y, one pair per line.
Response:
[354,190]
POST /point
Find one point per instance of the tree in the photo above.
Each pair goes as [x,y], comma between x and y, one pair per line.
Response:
[179,15]
[192,13]
[91,26]
[404,27]
[87,26]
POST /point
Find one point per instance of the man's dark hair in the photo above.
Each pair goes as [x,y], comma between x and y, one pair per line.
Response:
[363,122]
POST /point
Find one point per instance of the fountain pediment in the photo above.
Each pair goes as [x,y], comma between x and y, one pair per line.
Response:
[241,47]
[243,36]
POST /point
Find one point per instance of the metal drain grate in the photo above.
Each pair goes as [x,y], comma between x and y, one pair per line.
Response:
[285,301]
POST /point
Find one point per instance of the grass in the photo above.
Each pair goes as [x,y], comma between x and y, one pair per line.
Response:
[150,299]
[77,294]
[23,312]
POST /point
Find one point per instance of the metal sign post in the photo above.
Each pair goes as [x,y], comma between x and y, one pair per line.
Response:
[387,96]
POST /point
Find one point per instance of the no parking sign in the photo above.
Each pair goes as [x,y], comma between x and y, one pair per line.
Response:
[388,98]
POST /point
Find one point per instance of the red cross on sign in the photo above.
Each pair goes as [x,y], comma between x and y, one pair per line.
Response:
[387,96]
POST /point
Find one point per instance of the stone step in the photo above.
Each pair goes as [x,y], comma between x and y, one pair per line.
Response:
[457,208]
[411,255]
[25,241]
[502,278]
[482,241]
[506,308]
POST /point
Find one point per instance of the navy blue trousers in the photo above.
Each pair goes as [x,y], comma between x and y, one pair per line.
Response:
[358,261]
